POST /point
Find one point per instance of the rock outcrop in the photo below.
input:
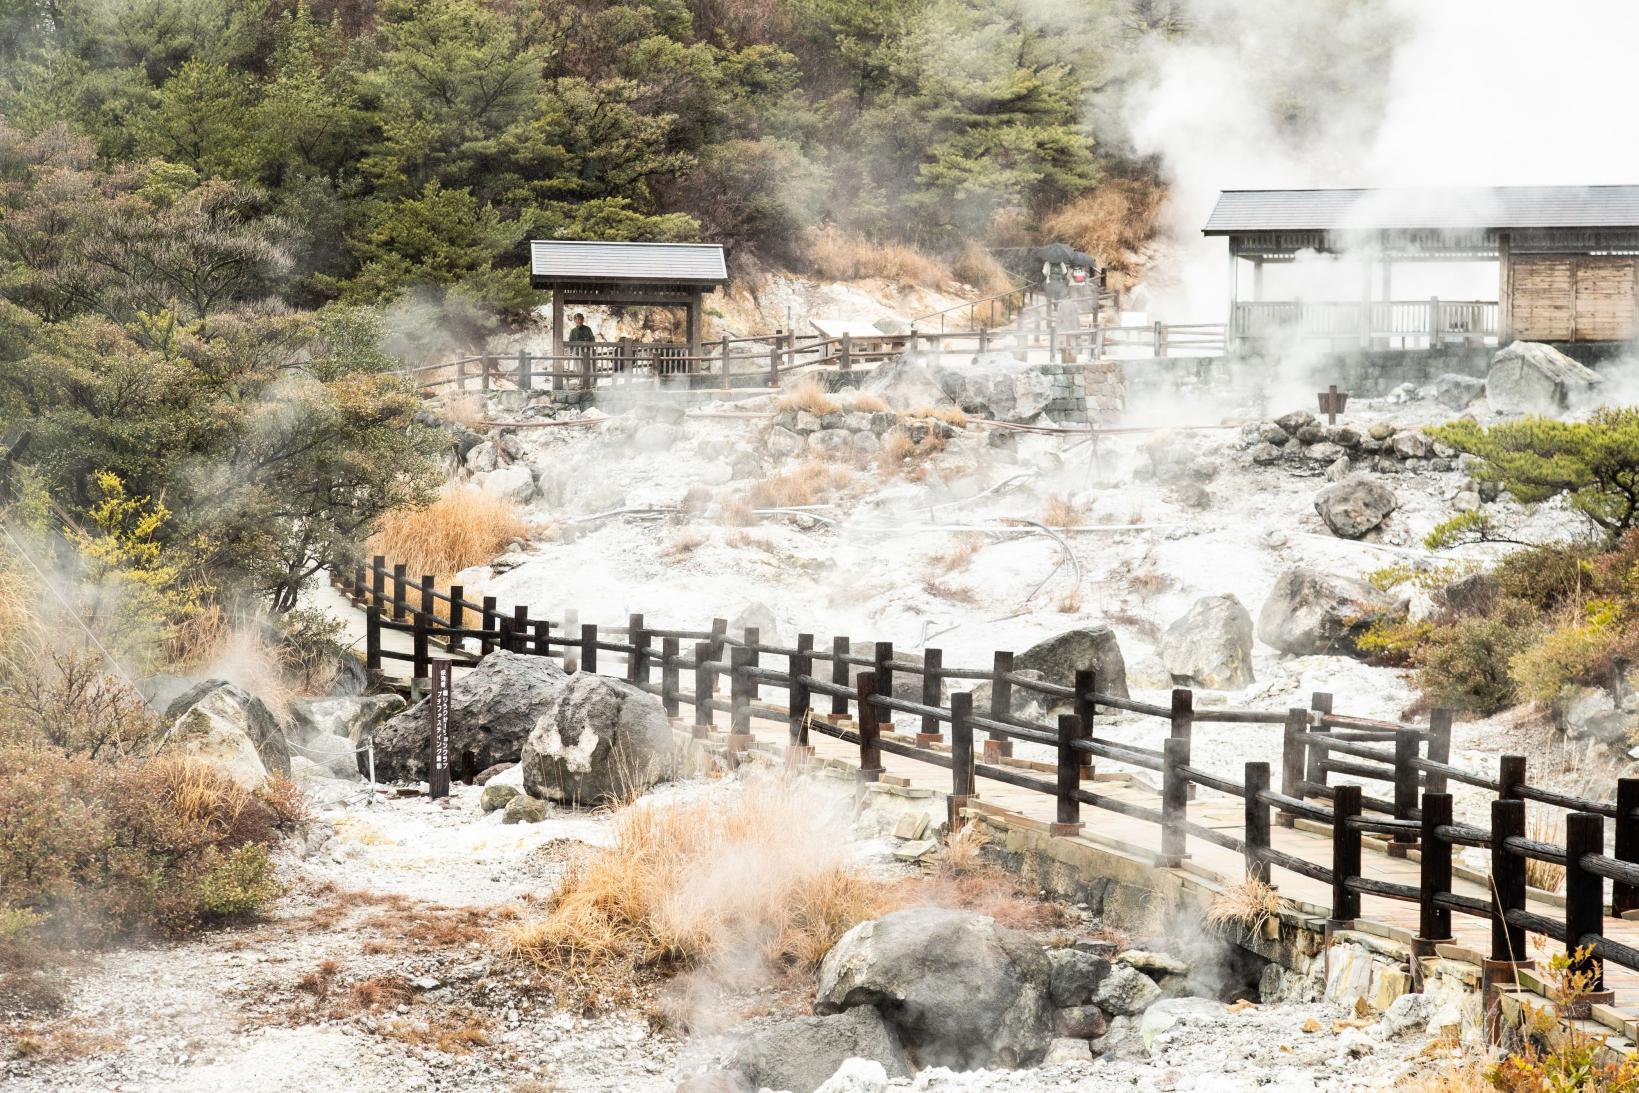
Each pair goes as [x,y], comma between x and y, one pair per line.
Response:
[215,720]
[493,708]
[802,1053]
[1532,378]
[595,740]
[1355,506]
[959,990]
[1211,645]
[1060,657]
[1310,612]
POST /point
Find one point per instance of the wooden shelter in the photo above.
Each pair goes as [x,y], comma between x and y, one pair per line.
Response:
[631,274]
[1567,259]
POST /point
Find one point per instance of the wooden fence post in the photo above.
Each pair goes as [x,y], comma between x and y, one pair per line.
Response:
[1434,920]
[428,604]
[461,374]
[1439,749]
[881,657]
[1069,779]
[1174,799]
[372,638]
[525,379]
[520,628]
[1256,833]
[847,358]
[457,616]
[1313,772]
[356,593]
[378,579]
[1405,791]
[774,363]
[487,645]
[1345,855]
[840,648]
[668,676]
[933,693]
[1183,721]
[1086,686]
[420,665]
[589,648]
[961,755]
[486,366]
[739,734]
[1584,904]
[637,668]
[702,688]
[400,600]
[800,668]
[870,755]
[1625,897]
[997,746]
[1293,748]
[719,641]
[1507,880]
[543,638]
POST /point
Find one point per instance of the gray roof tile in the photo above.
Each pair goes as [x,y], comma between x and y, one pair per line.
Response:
[566,260]
[1479,207]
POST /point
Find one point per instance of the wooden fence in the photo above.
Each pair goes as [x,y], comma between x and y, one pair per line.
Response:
[1405,324]
[836,692]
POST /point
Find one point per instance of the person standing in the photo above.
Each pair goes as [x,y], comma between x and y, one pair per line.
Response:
[581,341]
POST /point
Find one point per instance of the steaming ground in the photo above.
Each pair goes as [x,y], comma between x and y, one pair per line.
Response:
[385,898]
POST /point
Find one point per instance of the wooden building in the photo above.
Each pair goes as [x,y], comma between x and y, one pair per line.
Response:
[627,274]
[1567,261]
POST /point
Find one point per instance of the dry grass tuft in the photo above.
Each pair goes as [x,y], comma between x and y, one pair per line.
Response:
[962,850]
[736,513]
[960,554]
[809,484]
[867,404]
[742,540]
[1070,603]
[59,1043]
[1466,1073]
[463,527]
[838,256]
[809,395]
[454,1034]
[1547,827]
[1061,512]
[1248,904]
[465,408]
[950,415]
[955,593]
[683,544]
[977,267]
[319,981]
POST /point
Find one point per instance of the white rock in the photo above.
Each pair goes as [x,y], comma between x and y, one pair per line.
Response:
[1169,1012]
[856,1076]
[1064,1050]
[513,482]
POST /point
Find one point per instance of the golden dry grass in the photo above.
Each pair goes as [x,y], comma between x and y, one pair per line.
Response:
[809,395]
[838,256]
[705,881]
[977,267]
[961,553]
[1547,827]
[1070,603]
[736,513]
[463,527]
[453,1034]
[1248,904]
[1113,223]
[683,544]
[812,482]
[962,850]
[466,408]
[61,1042]
[1061,512]
[867,404]
[955,593]
[950,415]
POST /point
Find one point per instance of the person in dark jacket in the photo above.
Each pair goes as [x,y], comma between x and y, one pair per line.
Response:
[580,342]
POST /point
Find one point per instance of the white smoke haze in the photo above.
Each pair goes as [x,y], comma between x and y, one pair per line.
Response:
[1377,93]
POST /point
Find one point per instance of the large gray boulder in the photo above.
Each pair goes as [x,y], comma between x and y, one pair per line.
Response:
[596,740]
[801,1053]
[219,710]
[1590,713]
[492,710]
[1355,506]
[1060,657]
[1211,645]
[513,482]
[960,990]
[351,717]
[1309,612]
[906,384]
[996,386]
[1458,391]
[1532,378]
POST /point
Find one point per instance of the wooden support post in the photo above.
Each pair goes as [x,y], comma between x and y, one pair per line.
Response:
[1510,776]
[378,579]
[1069,779]
[589,648]
[839,674]
[637,661]
[457,616]
[702,688]
[1584,905]
[1183,721]
[1256,834]
[1439,749]
[429,605]
[1174,800]
[1433,921]
[356,593]
[801,668]
[847,359]
[372,638]
[487,645]
[884,677]
[719,641]
[420,665]
[1507,879]
[1405,791]
[1086,687]
[668,676]
[725,353]
[997,746]
[870,754]
[933,694]
[1313,773]
[1434,322]
[400,598]
[1345,855]
[520,628]
[1625,897]
[961,755]
[542,638]
[461,374]
[739,691]
[486,370]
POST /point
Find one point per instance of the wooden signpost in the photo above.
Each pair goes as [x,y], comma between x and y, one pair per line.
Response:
[438,763]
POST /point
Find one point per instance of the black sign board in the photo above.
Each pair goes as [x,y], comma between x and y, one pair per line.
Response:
[438,761]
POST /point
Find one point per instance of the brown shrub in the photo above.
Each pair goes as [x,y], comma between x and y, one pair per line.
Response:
[808,394]
[1113,223]
[68,699]
[837,256]
[976,266]
[463,527]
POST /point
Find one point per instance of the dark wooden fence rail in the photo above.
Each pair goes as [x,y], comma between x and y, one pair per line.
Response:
[864,692]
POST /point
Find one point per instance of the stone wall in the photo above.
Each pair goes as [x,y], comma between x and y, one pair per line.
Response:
[1368,373]
[1086,393]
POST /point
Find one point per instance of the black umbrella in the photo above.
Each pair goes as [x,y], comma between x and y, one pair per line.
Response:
[1060,252]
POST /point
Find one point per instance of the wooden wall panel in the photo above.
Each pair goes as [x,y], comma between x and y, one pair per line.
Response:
[1542,298]
[1605,309]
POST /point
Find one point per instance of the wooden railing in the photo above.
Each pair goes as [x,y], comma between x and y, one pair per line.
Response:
[831,690]
[1427,323]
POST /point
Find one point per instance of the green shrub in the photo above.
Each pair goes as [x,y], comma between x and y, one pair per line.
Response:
[1465,664]
[1394,642]
[1546,577]
[1576,652]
